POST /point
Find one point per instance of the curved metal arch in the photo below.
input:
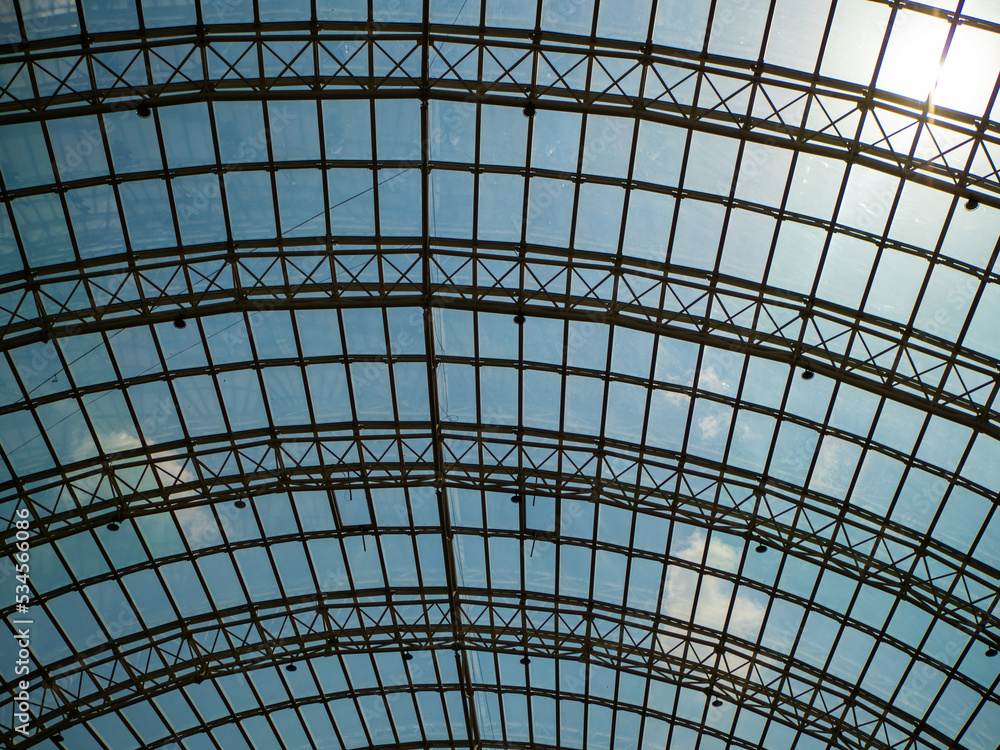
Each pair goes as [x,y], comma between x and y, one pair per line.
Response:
[295,702]
[91,266]
[800,332]
[495,744]
[97,390]
[645,88]
[365,25]
[120,485]
[127,492]
[742,516]
[88,271]
[323,630]
[487,744]
[98,652]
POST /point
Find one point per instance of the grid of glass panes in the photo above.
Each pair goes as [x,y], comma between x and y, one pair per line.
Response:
[875,248]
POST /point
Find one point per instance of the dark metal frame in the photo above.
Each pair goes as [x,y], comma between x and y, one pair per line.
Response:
[635,81]
[736,85]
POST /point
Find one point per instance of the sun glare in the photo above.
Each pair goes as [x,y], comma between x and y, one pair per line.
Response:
[912,59]
[912,64]
[969,72]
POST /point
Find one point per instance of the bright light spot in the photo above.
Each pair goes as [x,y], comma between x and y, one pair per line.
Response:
[912,64]
[912,59]
[970,71]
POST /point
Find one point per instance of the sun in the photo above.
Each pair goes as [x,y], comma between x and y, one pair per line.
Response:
[913,67]
[912,58]
[970,71]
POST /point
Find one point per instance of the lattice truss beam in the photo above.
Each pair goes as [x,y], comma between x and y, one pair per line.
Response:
[958,153]
[955,151]
[706,494]
[709,497]
[146,664]
[869,352]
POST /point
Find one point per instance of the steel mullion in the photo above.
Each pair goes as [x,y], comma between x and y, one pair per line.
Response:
[380,690]
[277,94]
[737,409]
[864,113]
[101,546]
[461,657]
[352,399]
[135,423]
[813,460]
[326,703]
[920,125]
[643,427]
[265,714]
[77,257]
[187,441]
[831,560]
[604,645]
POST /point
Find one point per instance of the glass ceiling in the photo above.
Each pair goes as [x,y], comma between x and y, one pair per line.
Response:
[565,374]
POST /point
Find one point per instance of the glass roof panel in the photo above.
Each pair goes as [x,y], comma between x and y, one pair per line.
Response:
[619,375]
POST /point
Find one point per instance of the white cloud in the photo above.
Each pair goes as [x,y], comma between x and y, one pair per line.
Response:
[676,398]
[199,524]
[712,425]
[834,468]
[709,380]
[715,594]
[200,527]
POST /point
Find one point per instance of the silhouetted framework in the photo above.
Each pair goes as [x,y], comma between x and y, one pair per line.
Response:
[312,448]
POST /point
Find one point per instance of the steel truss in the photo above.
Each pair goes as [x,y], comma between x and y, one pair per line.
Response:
[751,101]
[150,663]
[77,482]
[876,355]
[528,538]
[800,523]
[486,744]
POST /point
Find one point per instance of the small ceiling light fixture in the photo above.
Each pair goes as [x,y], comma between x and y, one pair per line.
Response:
[291,668]
[529,110]
[57,738]
[991,652]
[144,111]
[407,656]
[808,374]
[516,499]
[180,323]
[971,205]
[519,319]
[241,504]
[760,548]
[116,521]
[525,659]
[717,702]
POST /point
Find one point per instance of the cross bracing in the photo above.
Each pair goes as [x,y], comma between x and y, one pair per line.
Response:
[873,354]
[661,416]
[747,100]
[150,663]
[894,562]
